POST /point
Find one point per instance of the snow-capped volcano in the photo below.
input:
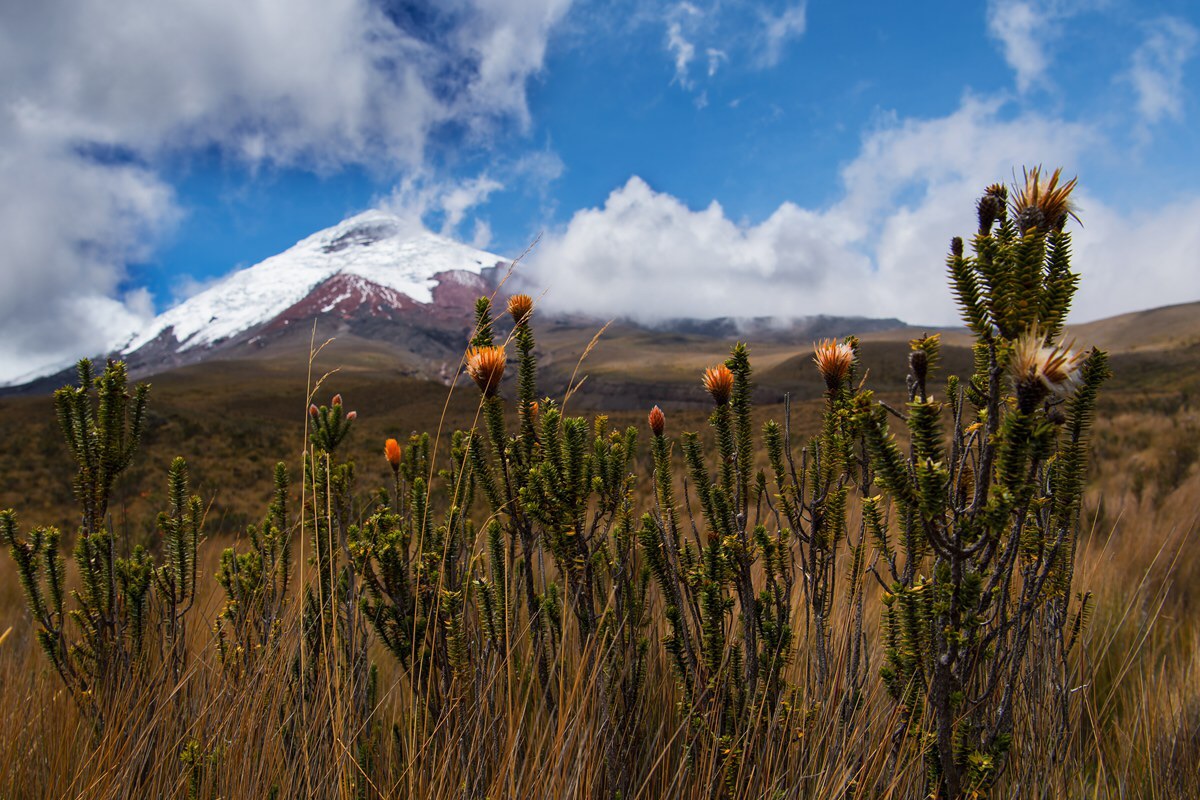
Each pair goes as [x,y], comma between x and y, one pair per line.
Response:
[373,261]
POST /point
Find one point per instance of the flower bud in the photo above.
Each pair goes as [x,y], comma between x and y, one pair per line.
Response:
[391,451]
[353,415]
[658,421]
[336,401]
[991,207]
[313,411]
[918,360]
[520,307]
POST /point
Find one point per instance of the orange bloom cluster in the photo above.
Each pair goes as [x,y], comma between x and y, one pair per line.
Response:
[833,360]
[520,307]
[718,381]
[485,365]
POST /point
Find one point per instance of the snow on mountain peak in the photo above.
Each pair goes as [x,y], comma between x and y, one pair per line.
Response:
[375,245]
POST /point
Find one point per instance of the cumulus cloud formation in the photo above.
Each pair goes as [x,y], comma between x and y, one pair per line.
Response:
[879,250]
[1157,69]
[91,101]
[647,255]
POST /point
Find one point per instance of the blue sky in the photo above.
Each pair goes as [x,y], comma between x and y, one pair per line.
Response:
[678,158]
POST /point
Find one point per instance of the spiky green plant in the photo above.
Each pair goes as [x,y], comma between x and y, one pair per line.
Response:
[100,644]
[977,610]
[256,584]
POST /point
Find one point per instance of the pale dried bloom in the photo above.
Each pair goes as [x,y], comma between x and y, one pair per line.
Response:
[1043,206]
[1039,369]
[657,420]
[485,365]
[718,381]
[520,307]
[833,360]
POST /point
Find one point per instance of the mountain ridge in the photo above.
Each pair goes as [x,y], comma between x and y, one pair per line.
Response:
[376,278]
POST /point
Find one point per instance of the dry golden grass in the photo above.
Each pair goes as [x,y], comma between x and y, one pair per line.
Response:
[1136,730]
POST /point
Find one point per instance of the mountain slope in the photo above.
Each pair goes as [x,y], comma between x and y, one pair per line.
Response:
[372,266]
[368,252]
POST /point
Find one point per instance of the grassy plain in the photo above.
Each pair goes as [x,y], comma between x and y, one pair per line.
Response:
[1137,728]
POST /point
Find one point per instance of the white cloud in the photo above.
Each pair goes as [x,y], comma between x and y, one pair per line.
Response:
[879,250]
[745,35]
[481,237]
[422,200]
[93,100]
[646,254]
[459,199]
[779,29]
[1023,30]
[68,227]
[682,51]
[1028,30]
[1132,259]
[1157,69]
[539,168]
[715,59]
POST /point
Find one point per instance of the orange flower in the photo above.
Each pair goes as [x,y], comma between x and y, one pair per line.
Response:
[391,450]
[658,421]
[313,410]
[718,381]
[833,360]
[485,365]
[520,307]
[336,401]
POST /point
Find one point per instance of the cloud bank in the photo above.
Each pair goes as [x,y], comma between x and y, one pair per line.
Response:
[879,250]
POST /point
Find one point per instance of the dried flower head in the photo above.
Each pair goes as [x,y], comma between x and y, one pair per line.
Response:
[485,365]
[657,420]
[391,451]
[833,360]
[718,381]
[1039,369]
[1043,206]
[520,307]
